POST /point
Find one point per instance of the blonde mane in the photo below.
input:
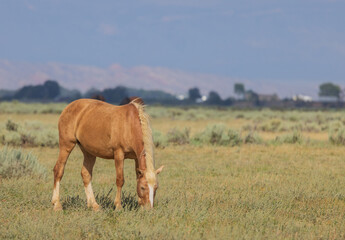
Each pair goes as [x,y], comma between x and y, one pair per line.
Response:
[147,136]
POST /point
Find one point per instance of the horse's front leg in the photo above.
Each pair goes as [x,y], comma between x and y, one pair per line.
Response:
[119,158]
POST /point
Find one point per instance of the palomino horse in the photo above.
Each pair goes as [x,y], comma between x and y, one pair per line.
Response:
[112,132]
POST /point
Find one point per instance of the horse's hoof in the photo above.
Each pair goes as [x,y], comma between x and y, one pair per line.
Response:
[96,207]
[118,207]
[57,207]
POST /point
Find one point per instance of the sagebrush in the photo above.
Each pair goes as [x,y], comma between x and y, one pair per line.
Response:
[15,163]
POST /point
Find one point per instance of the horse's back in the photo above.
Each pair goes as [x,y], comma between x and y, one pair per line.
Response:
[76,108]
[71,116]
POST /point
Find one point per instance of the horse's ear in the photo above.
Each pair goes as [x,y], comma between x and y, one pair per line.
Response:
[140,173]
[159,169]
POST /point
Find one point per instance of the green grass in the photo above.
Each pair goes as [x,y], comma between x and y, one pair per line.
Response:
[291,187]
[246,192]
[27,108]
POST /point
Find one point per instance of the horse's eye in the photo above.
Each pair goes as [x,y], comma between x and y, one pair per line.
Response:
[142,188]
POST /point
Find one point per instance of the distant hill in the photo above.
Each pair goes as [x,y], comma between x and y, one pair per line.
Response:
[82,77]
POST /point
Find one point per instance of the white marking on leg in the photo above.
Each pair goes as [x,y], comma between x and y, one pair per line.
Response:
[55,197]
[151,194]
[89,195]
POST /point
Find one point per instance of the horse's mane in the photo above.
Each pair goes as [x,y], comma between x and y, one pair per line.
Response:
[147,135]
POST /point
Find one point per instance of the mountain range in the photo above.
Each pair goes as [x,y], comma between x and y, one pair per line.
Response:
[17,74]
[14,74]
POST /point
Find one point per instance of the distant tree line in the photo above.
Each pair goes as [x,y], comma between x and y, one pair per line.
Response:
[51,91]
[213,98]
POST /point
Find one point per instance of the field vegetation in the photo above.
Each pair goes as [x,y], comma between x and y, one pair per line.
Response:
[256,174]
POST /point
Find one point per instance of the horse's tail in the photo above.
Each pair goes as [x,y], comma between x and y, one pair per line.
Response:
[147,134]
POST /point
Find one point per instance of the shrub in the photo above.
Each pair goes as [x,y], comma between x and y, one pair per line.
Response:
[335,126]
[10,138]
[252,137]
[14,164]
[213,134]
[239,116]
[11,126]
[47,138]
[295,137]
[337,136]
[218,134]
[234,138]
[27,139]
[271,126]
[178,137]
[248,127]
[312,127]
[158,139]
[293,118]
[29,133]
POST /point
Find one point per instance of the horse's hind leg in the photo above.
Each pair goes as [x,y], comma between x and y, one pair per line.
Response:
[65,150]
[86,173]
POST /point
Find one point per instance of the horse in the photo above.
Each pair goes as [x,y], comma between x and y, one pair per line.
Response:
[110,132]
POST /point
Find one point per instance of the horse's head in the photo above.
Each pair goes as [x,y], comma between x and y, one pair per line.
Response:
[147,185]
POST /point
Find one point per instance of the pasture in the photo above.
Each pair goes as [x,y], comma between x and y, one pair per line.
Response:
[229,174]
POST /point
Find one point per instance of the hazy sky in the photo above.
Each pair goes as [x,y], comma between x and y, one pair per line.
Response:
[263,41]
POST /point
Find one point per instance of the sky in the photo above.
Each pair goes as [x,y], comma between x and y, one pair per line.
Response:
[286,47]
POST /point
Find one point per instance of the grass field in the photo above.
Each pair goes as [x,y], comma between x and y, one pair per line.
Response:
[290,184]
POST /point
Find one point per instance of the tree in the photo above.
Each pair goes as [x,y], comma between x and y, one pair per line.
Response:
[329,90]
[194,94]
[214,98]
[252,96]
[48,91]
[239,89]
[115,95]
[67,95]
[52,89]
[92,92]
[229,101]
